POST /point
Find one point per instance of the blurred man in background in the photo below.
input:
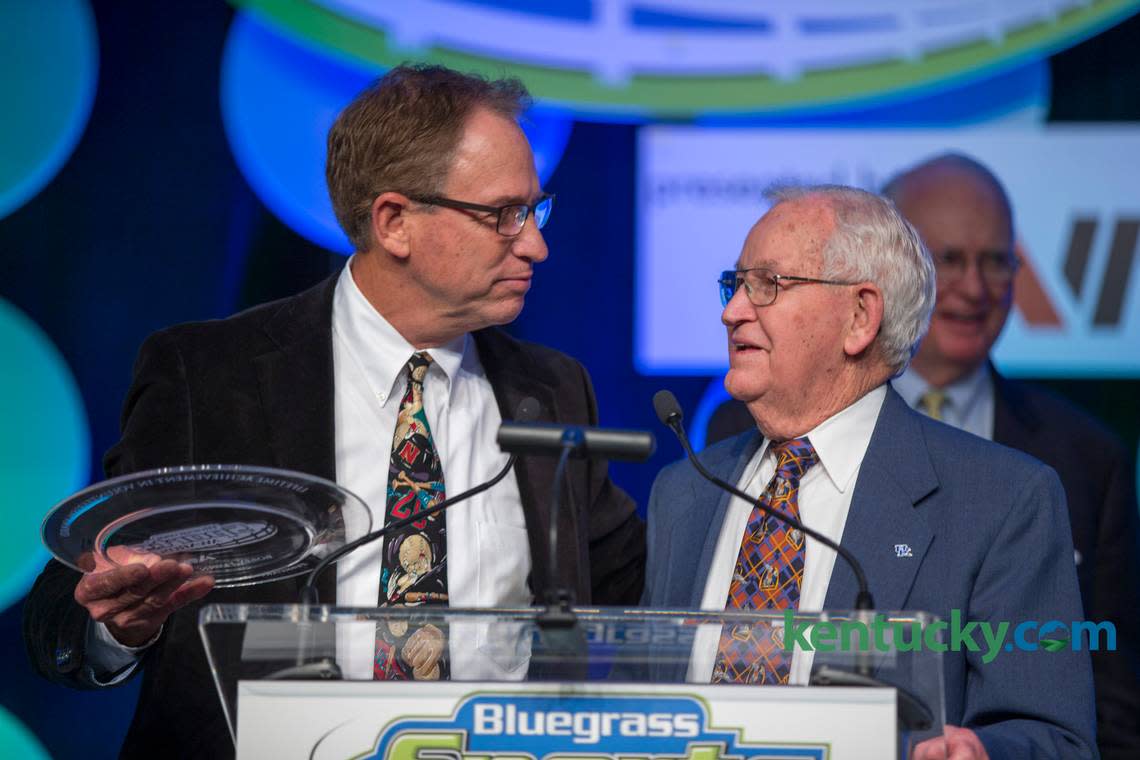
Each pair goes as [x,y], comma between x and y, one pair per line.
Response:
[964,216]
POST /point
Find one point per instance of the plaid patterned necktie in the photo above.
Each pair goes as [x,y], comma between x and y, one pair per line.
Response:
[768,574]
[414,566]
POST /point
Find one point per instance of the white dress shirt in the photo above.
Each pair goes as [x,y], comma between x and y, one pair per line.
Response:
[969,402]
[488,554]
[824,499]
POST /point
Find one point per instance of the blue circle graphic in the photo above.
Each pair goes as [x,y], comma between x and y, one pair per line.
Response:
[44,445]
[50,53]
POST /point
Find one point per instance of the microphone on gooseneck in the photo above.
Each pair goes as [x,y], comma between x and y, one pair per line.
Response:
[669,412]
[526,411]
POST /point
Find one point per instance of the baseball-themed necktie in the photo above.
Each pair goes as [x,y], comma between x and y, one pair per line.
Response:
[414,564]
[768,574]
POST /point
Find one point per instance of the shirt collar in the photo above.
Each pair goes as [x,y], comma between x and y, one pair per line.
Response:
[842,439]
[378,347]
[965,393]
[910,386]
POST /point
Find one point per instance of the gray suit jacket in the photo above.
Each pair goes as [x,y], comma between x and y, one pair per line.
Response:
[989,536]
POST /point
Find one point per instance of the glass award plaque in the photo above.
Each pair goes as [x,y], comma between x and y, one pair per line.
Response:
[242,525]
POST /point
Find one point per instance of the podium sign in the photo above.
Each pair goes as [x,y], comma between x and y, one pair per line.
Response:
[389,721]
[296,681]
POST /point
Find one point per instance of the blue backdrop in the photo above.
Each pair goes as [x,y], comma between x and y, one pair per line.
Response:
[147,220]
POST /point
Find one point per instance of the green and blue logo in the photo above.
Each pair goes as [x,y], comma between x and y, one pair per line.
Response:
[45,445]
[50,55]
[552,727]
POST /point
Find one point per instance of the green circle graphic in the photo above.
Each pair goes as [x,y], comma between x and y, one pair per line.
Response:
[16,740]
[50,55]
[44,445]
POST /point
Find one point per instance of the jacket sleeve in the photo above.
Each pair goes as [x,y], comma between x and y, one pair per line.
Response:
[1030,702]
[1115,599]
[156,432]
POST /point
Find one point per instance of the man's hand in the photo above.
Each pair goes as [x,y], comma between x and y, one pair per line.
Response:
[954,744]
[422,651]
[134,596]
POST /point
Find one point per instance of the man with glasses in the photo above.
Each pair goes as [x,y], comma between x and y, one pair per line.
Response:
[828,300]
[390,378]
[963,214]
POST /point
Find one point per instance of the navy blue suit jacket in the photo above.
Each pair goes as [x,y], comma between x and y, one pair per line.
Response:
[989,536]
[1098,477]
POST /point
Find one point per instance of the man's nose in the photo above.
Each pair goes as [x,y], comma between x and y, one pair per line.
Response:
[738,309]
[971,283]
[529,244]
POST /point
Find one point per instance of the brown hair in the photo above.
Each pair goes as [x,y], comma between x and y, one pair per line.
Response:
[400,135]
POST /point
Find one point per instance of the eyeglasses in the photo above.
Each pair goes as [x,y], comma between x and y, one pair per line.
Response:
[510,219]
[997,268]
[761,285]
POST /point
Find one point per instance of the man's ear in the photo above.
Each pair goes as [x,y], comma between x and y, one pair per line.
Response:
[866,318]
[389,224]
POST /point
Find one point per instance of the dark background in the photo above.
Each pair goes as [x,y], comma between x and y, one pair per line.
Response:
[150,223]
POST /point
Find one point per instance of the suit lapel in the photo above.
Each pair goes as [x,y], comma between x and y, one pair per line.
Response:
[1014,425]
[884,530]
[296,383]
[295,379]
[514,375]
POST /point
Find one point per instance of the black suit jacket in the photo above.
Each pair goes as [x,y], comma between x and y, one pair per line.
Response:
[1101,497]
[257,389]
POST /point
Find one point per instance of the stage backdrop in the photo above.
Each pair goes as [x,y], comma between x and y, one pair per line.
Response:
[163,162]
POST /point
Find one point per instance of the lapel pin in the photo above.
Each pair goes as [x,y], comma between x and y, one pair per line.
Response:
[903,550]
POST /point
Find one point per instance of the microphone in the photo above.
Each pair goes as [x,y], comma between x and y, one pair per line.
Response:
[526,411]
[548,439]
[913,713]
[669,412]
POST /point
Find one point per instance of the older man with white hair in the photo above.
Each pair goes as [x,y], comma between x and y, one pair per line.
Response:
[830,296]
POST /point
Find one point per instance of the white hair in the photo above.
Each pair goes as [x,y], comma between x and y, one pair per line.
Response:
[872,242]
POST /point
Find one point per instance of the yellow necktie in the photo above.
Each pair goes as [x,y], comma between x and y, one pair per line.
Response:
[933,401]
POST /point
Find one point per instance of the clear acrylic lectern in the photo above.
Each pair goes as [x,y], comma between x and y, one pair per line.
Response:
[298,681]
